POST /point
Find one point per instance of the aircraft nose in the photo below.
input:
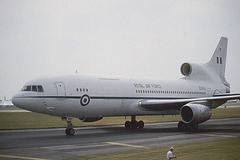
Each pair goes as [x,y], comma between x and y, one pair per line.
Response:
[16,100]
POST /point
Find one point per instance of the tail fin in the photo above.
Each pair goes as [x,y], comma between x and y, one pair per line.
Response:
[218,60]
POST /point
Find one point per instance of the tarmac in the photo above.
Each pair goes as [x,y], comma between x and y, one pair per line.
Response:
[41,144]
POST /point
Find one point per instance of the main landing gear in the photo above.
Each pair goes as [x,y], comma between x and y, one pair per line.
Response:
[187,127]
[134,124]
[69,130]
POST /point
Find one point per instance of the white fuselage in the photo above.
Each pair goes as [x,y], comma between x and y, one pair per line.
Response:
[89,96]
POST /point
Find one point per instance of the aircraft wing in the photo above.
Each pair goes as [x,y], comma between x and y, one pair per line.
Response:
[164,104]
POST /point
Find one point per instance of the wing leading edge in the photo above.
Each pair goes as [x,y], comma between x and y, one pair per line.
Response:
[167,104]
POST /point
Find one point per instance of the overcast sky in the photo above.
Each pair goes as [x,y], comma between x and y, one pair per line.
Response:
[137,38]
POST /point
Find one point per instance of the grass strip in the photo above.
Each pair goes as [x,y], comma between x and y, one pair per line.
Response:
[32,120]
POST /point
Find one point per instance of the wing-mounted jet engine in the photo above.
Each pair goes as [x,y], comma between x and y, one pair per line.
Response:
[192,115]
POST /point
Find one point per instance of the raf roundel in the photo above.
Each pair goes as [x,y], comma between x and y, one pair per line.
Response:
[85,100]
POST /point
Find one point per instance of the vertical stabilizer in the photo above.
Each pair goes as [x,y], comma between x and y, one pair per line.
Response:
[218,60]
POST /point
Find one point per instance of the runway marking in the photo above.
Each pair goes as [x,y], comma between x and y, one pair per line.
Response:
[126,145]
[18,157]
[215,135]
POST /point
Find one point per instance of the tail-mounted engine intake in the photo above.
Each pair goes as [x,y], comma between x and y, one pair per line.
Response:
[186,69]
[195,113]
[90,119]
[193,69]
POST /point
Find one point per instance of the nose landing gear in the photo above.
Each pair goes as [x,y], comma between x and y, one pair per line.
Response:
[69,130]
[134,124]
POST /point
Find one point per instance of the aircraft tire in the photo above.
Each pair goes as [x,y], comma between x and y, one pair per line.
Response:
[194,126]
[127,124]
[181,126]
[140,124]
[70,131]
[134,124]
[188,128]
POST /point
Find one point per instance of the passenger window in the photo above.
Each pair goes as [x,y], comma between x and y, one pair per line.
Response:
[40,88]
[34,88]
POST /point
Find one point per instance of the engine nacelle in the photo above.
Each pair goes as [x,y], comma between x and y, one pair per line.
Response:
[90,119]
[195,113]
[193,69]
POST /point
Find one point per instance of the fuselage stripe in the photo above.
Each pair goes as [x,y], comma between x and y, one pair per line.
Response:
[96,97]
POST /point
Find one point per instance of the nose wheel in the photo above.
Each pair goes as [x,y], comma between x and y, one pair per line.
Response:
[69,131]
[133,124]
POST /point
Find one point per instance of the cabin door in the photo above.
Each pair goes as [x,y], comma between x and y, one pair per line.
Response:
[61,91]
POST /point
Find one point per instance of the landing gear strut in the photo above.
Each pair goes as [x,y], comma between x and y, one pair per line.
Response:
[134,124]
[187,127]
[69,130]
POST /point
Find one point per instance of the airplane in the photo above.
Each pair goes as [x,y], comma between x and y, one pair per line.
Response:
[90,98]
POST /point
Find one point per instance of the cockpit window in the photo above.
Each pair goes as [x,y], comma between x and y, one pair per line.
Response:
[38,88]
[26,88]
[34,88]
